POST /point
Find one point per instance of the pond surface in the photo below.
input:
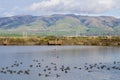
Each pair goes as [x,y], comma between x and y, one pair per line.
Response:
[59,63]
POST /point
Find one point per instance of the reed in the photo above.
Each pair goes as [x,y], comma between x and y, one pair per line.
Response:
[52,40]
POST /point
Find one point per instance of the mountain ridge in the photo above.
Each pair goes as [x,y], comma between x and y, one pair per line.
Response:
[61,24]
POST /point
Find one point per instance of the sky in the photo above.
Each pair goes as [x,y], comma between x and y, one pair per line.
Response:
[49,7]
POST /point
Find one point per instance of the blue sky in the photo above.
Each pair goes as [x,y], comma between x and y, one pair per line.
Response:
[48,7]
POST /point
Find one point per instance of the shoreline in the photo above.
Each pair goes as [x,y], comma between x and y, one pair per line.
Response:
[52,40]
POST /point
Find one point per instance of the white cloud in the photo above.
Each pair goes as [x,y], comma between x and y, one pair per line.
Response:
[73,6]
[15,8]
[8,14]
[11,12]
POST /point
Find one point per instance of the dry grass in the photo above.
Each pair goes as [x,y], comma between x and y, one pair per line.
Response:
[52,40]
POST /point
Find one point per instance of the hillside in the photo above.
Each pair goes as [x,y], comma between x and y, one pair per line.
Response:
[60,25]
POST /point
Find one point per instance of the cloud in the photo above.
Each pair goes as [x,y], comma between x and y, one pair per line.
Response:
[73,6]
[8,14]
[11,12]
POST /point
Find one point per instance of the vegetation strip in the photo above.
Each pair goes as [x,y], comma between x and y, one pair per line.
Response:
[52,40]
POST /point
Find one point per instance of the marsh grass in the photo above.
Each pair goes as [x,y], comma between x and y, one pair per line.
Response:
[52,40]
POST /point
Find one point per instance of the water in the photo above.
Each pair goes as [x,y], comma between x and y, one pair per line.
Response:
[59,63]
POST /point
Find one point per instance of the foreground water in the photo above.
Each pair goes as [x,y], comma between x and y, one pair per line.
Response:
[59,63]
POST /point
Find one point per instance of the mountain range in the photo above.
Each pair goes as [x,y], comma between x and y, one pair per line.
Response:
[60,25]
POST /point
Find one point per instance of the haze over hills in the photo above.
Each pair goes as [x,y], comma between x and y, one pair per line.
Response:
[60,25]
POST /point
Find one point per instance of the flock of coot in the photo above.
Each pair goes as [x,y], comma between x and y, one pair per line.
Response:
[42,69]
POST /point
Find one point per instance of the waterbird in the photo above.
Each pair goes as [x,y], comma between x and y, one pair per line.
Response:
[57,75]
[46,75]
[39,74]
[27,72]
[31,65]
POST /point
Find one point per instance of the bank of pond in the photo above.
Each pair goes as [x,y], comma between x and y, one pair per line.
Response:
[52,40]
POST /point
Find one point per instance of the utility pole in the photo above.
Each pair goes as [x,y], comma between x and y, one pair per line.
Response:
[25,34]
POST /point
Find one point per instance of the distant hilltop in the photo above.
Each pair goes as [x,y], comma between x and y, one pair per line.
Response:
[60,25]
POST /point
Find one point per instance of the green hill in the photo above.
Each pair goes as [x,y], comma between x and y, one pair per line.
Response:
[60,25]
